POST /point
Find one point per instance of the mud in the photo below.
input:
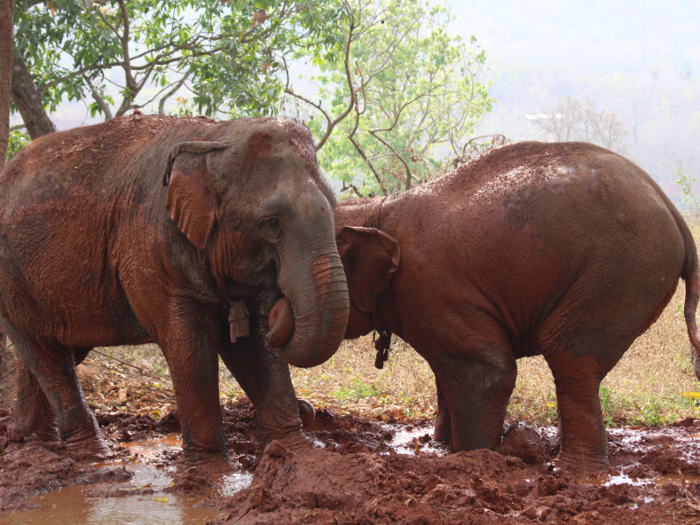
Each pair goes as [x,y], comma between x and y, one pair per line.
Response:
[354,471]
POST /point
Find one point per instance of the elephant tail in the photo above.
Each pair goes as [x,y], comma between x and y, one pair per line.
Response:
[691,276]
[692,293]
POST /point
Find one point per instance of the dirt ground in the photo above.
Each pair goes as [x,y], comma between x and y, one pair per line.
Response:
[372,469]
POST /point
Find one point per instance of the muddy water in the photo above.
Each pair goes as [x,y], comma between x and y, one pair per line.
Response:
[111,503]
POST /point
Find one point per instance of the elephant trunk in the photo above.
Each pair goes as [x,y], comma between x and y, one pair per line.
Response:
[308,324]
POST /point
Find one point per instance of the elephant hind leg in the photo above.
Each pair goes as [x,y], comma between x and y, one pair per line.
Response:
[581,426]
[48,380]
[33,413]
[443,424]
[580,360]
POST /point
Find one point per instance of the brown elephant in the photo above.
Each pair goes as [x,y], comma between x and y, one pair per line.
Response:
[564,250]
[182,231]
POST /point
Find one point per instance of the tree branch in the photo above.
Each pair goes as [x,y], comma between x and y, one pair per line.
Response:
[180,83]
[351,137]
[104,106]
[351,186]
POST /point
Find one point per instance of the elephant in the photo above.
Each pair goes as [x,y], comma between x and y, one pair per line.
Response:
[187,232]
[564,250]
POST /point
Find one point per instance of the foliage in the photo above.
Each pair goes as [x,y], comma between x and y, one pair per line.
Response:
[404,95]
[685,181]
[571,119]
[605,394]
[17,140]
[224,52]
[357,390]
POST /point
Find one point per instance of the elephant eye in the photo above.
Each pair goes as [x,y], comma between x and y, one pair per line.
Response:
[271,230]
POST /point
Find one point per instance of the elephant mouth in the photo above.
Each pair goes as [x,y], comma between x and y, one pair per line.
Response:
[281,323]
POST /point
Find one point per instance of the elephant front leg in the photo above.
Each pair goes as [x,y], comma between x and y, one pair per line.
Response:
[265,379]
[191,351]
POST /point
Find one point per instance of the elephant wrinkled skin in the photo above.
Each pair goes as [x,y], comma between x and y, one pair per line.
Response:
[564,250]
[185,232]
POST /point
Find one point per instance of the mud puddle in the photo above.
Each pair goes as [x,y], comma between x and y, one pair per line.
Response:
[144,498]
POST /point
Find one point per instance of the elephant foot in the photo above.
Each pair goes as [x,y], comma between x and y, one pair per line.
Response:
[442,436]
[522,442]
[205,463]
[91,448]
[443,429]
[294,441]
[206,467]
[45,434]
[307,412]
[580,463]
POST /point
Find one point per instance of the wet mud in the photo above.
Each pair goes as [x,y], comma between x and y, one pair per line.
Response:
[353,471]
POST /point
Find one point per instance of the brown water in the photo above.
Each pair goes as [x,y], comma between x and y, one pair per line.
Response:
[84,504]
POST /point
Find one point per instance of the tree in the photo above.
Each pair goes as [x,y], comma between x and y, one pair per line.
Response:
[403,96]
[571,119]
[6,10]
[223,52]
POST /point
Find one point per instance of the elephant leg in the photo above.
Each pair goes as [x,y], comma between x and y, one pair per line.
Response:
[33,413]
[443,425]
[53,370]
[265,379]
[581,427]
[190,349]
[476,385]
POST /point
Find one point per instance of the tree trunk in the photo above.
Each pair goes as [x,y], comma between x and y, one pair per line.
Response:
[6,9]
[28,101]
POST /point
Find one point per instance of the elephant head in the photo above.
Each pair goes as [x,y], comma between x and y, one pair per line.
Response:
[370,258]
[249,195]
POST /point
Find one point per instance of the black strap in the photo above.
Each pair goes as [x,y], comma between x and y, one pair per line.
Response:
[382,345]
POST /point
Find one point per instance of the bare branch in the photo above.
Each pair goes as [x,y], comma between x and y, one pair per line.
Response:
[397,155]
[351,137]
[351,186]
[348,75]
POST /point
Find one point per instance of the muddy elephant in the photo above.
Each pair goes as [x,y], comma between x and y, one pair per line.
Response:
[564,250]
[182,231]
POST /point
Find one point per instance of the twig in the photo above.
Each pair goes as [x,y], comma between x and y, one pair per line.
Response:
[7,373]
[126,363]
[375,449]
[695,505]
[351,186]
[105,366]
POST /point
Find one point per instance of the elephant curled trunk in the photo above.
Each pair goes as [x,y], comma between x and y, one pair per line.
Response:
[308,324]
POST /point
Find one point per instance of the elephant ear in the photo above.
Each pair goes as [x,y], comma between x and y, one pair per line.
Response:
[370,258]
[191,200]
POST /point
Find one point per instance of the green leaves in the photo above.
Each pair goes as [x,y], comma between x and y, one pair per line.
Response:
[225,54]
[400,101]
